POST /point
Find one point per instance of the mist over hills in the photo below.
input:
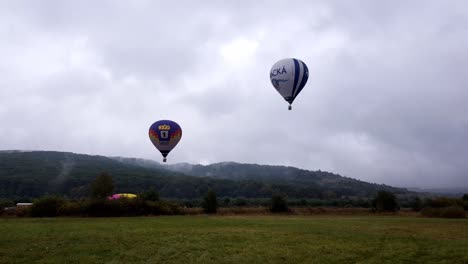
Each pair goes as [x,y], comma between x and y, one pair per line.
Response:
[36,173]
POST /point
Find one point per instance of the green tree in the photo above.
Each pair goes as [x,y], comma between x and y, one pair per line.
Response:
[279,204]
[210,203]
[227,202]
[150,195]
[102,186]
[385,201]
[416,204]
[465,201]
[303,202]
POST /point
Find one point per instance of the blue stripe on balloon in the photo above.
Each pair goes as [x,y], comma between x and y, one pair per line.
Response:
[304,78]
[296,78]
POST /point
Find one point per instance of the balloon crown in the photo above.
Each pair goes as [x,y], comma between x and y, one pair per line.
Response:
[164,127]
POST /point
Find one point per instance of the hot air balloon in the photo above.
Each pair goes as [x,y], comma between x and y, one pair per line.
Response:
[165,134]
[122,195]
[289,76]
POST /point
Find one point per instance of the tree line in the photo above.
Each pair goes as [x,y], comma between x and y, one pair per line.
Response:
[149,203]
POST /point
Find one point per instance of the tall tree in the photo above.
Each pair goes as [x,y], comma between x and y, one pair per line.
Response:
[385,201]
[465,201]
[102,186]
[279,204]
[465,197]
[210,203]
[150,195]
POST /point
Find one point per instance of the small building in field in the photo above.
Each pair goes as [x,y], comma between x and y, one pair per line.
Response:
[23,205]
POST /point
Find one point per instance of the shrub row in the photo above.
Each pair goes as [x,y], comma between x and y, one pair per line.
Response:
[56,206]
[445,212]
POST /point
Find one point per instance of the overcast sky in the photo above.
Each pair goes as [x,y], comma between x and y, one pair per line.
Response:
[386,100]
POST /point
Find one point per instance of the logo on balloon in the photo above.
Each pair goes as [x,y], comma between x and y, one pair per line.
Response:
[164,134]
[164,127]
[276,82]
[275,72]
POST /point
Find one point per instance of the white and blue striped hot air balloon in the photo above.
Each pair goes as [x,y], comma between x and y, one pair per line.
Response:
[289,76]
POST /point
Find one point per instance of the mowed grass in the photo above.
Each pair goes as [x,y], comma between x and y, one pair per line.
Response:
[234,239]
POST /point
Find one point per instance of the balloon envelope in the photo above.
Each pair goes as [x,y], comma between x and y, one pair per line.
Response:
[165,134]
[289,76]
[122,195]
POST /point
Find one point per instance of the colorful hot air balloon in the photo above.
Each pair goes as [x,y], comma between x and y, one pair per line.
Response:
[122,195]
[289,76]
[165,134]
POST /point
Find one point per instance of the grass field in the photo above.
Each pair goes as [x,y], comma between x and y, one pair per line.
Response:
[234,239]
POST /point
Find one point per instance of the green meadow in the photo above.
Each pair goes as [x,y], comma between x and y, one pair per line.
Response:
[234,239]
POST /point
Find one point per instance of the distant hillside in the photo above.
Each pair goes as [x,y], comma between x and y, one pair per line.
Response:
[450,192]
[285,175]
[145,163]
[319,181]
[35,173]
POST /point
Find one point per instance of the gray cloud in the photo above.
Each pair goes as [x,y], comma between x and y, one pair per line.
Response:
[386,100]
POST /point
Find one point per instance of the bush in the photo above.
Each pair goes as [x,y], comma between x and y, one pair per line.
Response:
[23,212]
[6,203]
[120,207]
[72,209]
[240,202]
[441,202]
[430,212]
[453,212]
[56,206]
[6,206]
[163,208]
[279,204]
[129,207]
[444,212]
[47,206]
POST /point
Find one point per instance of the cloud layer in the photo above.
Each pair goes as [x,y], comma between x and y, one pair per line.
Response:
[386,100]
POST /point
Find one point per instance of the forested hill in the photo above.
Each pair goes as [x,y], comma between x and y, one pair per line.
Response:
[283,175]
[330,183]
[33,174]
[36,173]
[322,180]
